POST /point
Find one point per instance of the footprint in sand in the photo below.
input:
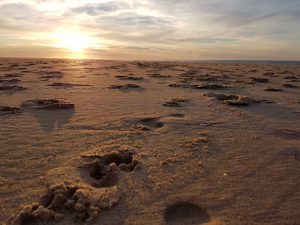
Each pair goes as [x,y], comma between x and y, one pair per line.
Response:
[104,168]
[151,123]
[185,213]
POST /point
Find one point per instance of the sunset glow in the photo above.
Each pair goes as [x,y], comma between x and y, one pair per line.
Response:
[73,41]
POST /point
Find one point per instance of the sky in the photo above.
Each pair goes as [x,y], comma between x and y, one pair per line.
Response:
[151,29]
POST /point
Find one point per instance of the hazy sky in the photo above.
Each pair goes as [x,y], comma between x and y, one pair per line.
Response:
[151,29]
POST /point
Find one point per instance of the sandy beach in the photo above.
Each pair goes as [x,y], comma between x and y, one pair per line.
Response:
[142,143]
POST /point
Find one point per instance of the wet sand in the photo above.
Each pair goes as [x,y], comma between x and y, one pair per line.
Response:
[138,143]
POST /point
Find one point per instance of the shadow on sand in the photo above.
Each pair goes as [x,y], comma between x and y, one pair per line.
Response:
[274,111]
[50,119]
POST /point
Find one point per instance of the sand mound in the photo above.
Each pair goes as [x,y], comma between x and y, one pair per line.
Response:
[70,201]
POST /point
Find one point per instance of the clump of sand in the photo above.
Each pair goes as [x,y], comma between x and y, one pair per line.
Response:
[67,201]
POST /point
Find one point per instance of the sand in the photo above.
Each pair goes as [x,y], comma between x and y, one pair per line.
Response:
[141,143]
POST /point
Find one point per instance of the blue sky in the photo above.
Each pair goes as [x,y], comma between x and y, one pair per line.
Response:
[151,29]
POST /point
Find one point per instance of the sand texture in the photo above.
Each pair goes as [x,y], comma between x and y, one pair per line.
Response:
[142,143]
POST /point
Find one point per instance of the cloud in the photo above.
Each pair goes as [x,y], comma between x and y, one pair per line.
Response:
[99,8]
[190,25]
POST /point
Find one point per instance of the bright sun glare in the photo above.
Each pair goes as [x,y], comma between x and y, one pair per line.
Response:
[74,41]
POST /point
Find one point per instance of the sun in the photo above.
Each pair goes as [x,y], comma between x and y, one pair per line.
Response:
[73,41]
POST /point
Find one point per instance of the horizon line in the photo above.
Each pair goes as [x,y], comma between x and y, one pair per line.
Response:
[161,60]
